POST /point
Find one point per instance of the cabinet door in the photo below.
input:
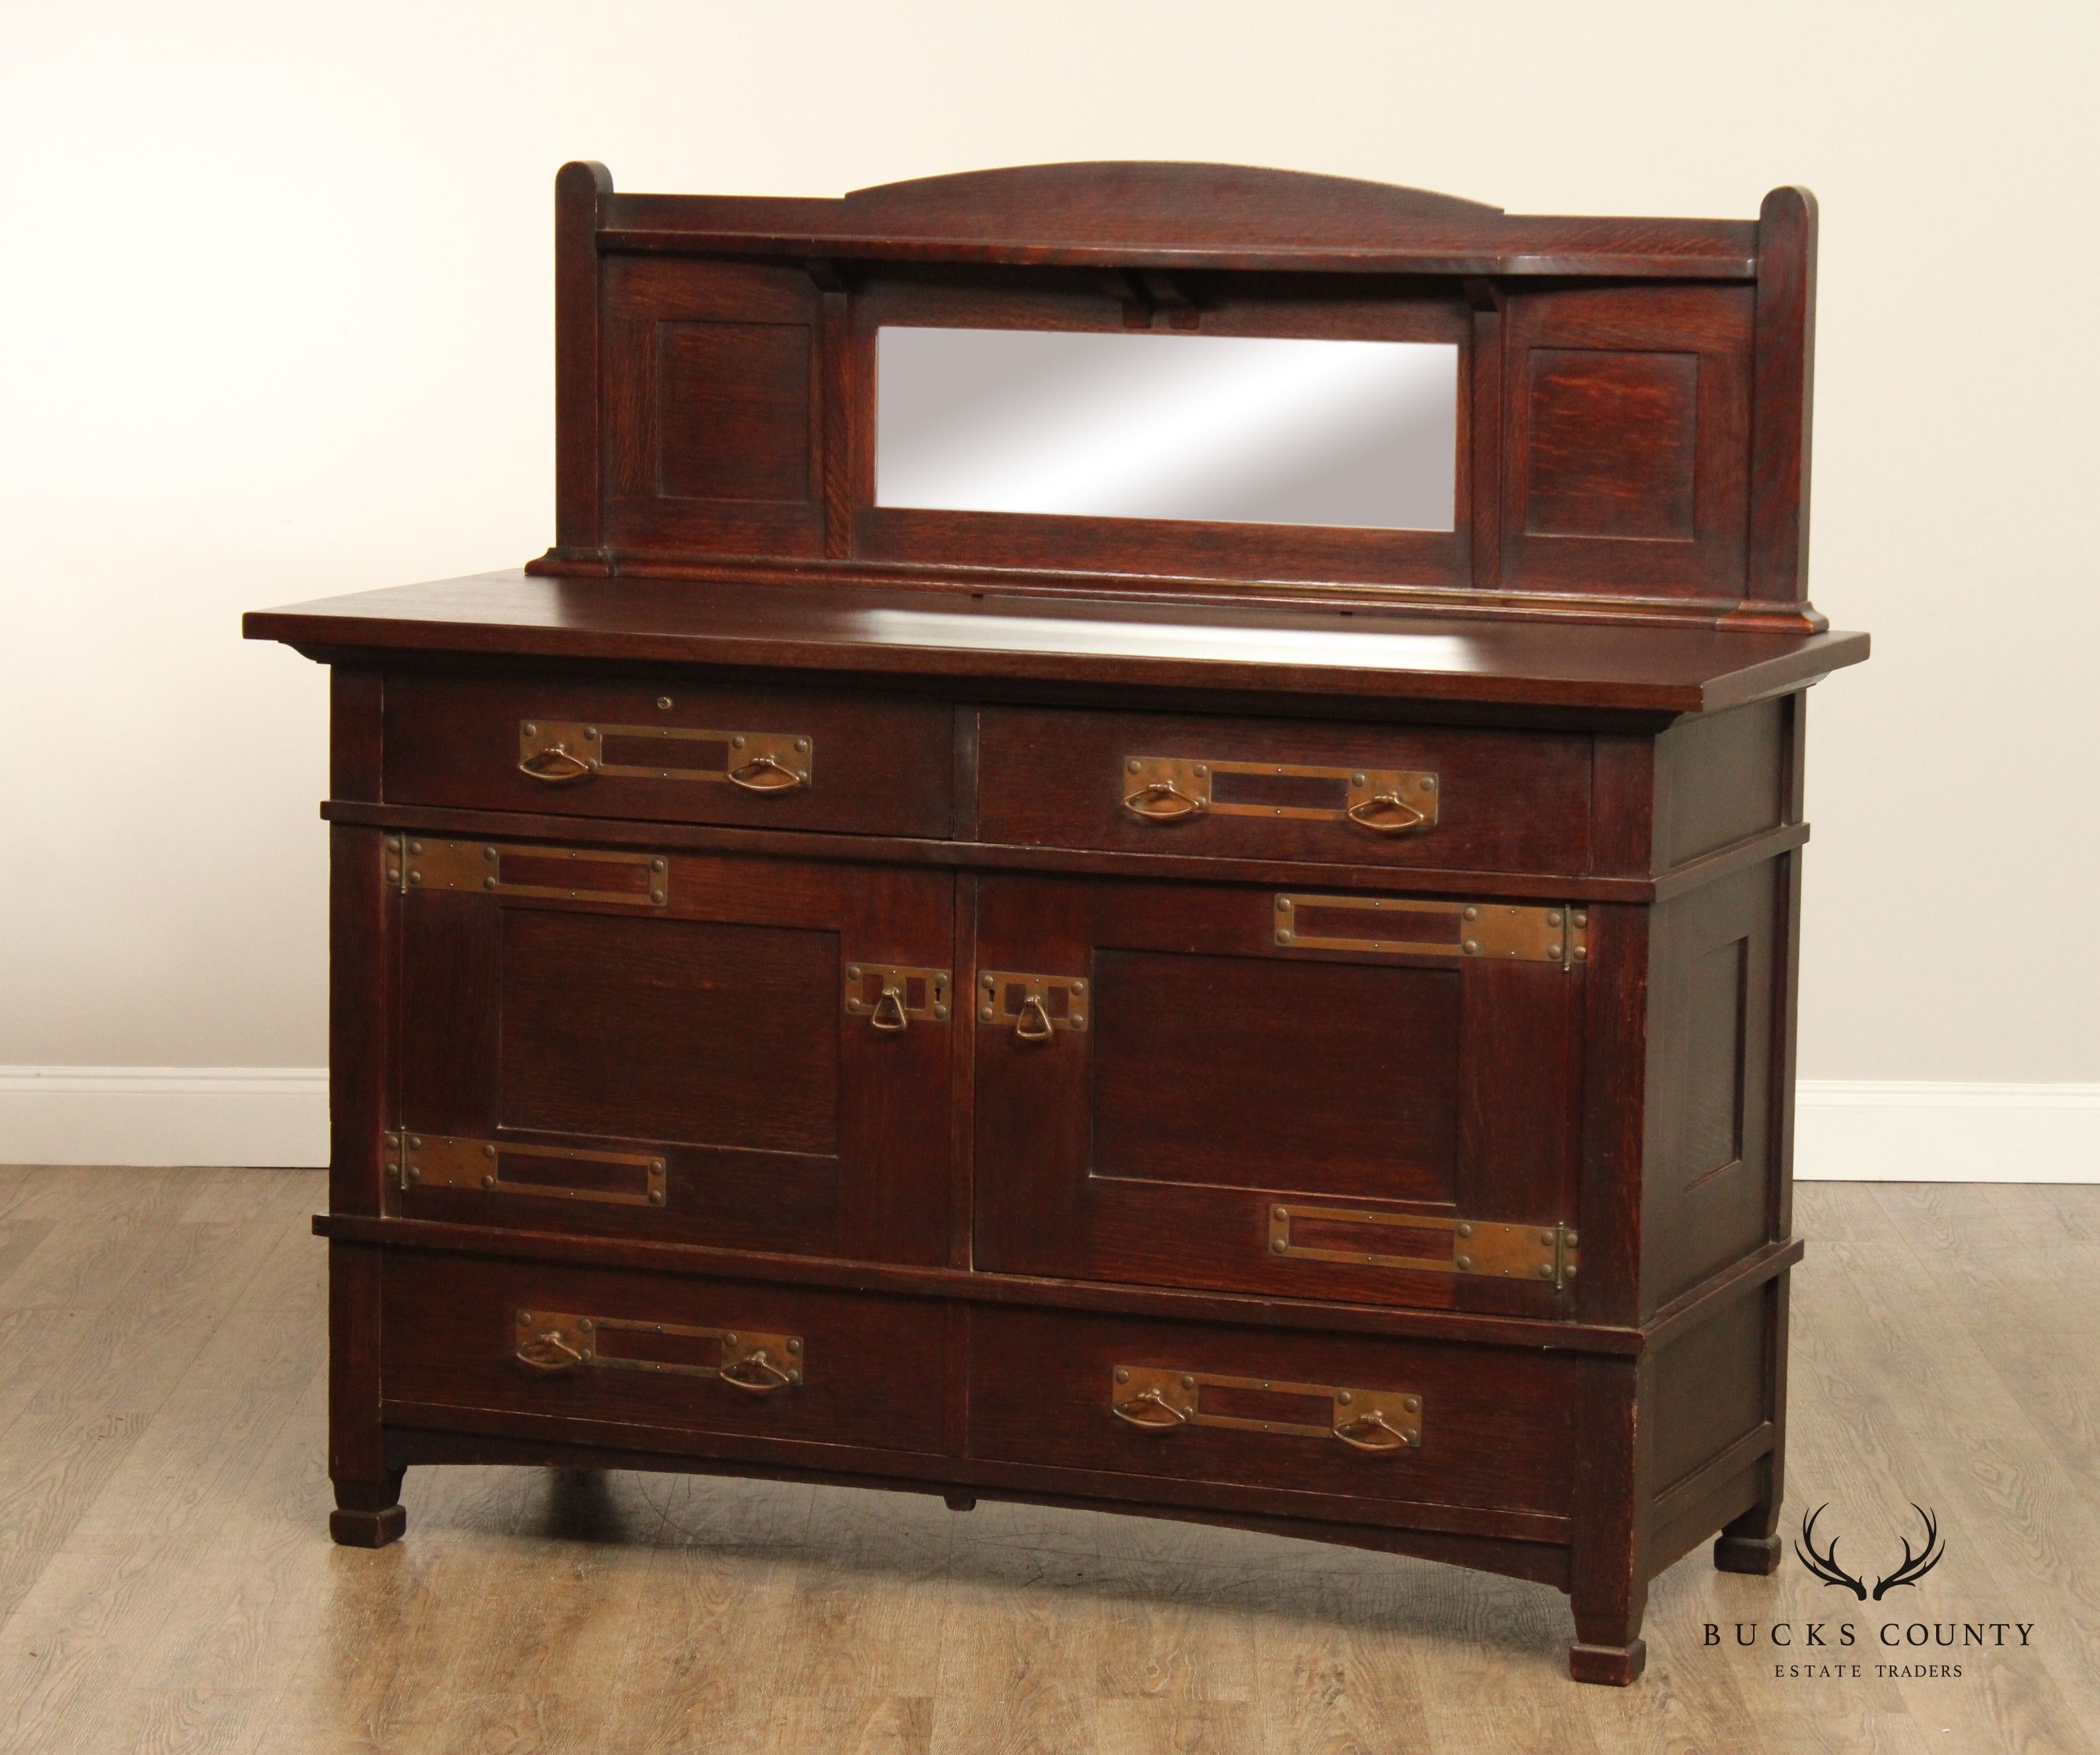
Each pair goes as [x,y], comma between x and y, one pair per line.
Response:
[1312,1095]
[747,1053]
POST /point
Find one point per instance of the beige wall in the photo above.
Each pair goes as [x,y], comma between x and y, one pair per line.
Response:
[275,312]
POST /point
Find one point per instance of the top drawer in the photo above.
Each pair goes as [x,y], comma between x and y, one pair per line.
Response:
[672,753]
[1286,789]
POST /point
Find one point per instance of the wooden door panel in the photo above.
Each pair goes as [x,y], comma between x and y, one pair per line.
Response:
[676,1030]
[1360,1095]
[1216,1092]
[696,1056]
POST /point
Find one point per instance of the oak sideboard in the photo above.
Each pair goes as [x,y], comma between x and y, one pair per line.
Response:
[1139,849]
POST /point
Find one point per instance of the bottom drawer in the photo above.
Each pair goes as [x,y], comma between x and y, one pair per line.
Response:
[623,1359]
[1308,1413]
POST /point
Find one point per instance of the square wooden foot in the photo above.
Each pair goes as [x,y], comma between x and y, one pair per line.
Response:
[368,1514]
[1759,1555]
[1611,1665]
[354,1529]
[960,1501]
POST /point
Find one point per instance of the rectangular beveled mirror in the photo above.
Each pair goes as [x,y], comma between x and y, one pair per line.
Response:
[1215,429]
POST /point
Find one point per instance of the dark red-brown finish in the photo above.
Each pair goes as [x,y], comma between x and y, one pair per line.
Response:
[1506,800]
[1603,664]
[710,1031]
[876,766]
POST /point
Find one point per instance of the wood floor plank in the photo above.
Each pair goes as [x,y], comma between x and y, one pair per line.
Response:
[166,1582]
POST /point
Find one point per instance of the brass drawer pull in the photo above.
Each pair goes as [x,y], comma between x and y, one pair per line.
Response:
[890,995]
[1393,1438]
[765,772]
[1383,800]
[1161,1399]
[755,1374]
[1387,813]
[1162,801]
[1546,1254]
[548,1352]
[1037,1006]
[1150,1411]
[555,765]
[744,1359]
[562,751]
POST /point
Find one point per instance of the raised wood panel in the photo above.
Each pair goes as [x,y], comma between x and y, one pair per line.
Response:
[671,1030]
[732,410]
[1626,453]
[1706,1187]
[1716,1006]
[714,425]
[1220,1070]
[1614,442]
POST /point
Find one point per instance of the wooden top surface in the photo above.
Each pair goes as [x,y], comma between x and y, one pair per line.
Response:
[1173,215]
[1069,640]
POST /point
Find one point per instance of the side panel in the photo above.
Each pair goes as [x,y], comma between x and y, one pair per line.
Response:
[1709,1163]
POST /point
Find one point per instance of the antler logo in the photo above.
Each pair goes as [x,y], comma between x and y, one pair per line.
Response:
[1825,1567]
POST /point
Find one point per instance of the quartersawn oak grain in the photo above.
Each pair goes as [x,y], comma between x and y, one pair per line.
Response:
[971,1222]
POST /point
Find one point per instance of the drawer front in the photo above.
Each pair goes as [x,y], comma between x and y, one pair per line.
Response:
[673,753]
[1197,1086]
[1308,1413]
[678,1047]
[620,1356]
[1275,789]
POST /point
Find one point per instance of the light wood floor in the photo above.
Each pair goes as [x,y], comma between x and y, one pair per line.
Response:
[166,1582]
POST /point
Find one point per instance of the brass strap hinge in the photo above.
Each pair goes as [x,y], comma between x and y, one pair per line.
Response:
[557,874]
[1545,1254]
[510,1167]
[1396,926]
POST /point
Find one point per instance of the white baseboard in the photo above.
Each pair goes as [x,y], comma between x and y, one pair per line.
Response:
[159,1115]
[1862,1130]
[1845,1129]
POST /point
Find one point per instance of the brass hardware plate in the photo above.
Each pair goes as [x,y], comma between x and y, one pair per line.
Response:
[889,993]
[1545,1254]
[1397,926]
[441,1160]
[1163,1399]
[748,1358]
[1063,1000]
[1168,788]
[633,880]
[788,758]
